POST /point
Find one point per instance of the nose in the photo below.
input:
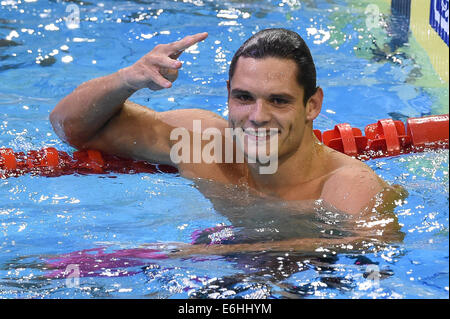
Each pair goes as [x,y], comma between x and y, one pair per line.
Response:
[259,115]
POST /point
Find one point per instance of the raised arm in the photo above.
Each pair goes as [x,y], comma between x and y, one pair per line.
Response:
[98,115]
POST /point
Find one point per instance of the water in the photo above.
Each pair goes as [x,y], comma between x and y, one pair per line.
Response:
[44,217]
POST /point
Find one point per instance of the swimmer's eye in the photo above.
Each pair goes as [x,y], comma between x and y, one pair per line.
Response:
[279,101]
[244,97]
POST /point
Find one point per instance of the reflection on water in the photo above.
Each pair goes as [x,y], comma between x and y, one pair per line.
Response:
[264,276]
[264,273]
[253,275]
[257,219]
[358,67]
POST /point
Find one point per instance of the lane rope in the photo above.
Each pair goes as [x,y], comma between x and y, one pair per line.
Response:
[385,138]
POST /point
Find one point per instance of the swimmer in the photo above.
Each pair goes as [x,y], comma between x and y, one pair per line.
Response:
[271,88]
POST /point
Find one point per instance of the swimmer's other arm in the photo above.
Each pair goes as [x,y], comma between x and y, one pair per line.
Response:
[97,114]
[306,245]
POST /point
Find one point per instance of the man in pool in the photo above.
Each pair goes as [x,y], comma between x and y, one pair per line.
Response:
[271,88]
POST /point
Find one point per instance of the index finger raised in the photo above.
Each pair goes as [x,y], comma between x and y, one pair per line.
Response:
[181,45]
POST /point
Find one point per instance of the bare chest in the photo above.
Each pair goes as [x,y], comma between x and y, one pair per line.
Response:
[238,175]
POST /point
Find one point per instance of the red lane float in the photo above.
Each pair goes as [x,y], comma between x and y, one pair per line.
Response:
[51,162]
[384,138]
[389,138]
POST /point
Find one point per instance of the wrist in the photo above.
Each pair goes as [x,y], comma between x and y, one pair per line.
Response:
[123,78]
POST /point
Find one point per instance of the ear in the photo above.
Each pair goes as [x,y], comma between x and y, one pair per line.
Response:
[314,105]
[228,87]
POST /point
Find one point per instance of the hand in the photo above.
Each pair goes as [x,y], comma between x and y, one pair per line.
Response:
[159,68]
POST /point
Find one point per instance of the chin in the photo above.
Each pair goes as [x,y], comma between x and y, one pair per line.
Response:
[260,153]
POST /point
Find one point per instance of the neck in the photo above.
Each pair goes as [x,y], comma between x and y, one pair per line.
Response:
[293,169]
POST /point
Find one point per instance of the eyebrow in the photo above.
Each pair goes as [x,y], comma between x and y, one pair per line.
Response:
[239,92]
[285,96]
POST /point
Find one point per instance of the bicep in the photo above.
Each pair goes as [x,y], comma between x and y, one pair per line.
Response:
[140,133]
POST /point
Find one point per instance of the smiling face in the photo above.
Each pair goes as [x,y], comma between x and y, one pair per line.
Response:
[264,94]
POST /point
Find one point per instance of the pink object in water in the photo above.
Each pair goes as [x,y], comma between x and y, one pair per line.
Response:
[96,263]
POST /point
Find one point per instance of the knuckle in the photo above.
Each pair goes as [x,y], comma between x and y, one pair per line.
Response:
[153,59]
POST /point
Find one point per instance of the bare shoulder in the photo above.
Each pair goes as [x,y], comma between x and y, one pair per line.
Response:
[352,186]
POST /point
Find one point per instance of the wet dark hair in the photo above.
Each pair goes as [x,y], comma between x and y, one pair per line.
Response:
[285,44]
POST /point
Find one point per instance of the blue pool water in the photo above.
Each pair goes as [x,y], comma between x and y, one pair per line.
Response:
[42,60]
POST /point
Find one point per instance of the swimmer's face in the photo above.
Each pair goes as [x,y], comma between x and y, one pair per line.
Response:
[264,93]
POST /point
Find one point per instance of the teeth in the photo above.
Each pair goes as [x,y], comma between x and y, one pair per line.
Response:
[260,133]
[257,133]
